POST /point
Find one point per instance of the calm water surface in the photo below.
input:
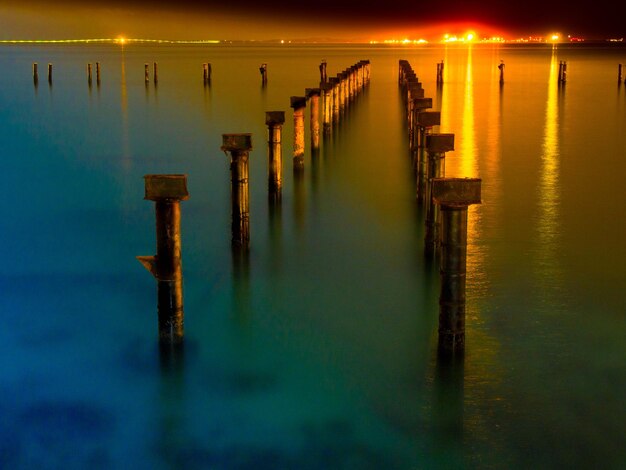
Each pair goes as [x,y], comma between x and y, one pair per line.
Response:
[320,351]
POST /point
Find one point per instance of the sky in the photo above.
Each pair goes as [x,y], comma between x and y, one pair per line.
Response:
[294,19]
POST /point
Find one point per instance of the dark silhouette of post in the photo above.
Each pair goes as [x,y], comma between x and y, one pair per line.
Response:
[97,73]
[50,73]
[425,121]
[274,121]
[298,103]
[206,73]
[501,68]
[562,72]
[436,146]
[167,191]
[146,73]
[239,146]
[155,72]
[313,95]
[453,195]
[89,73]
[323,76]
[35,74]
[440,73]
[619,74]
[263,70]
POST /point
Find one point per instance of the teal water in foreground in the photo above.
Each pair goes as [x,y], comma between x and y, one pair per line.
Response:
[320,352]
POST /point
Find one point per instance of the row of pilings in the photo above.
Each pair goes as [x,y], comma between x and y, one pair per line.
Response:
[446,202]
[167,191]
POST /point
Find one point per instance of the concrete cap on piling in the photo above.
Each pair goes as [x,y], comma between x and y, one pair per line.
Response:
[423,103]
[428,118]
[274,118]
[309,92]
[298,102]
[440,143]
[166,187]
[456,191]
[236,142]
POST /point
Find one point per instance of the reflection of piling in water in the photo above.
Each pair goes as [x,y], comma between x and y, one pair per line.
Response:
[313,95]
[501,68]
[35,74]
[323,76]
[263,70]
[436,145]
[49,73]
[167,191]
[454,195]
[425,121]
[274,121]
[327,105]
[239,146]
[298,103]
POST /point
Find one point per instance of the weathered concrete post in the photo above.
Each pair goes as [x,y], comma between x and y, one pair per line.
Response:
[454,195]
[327,97]
[323,76]
[425,121]
[50,73]
[437,145]
[416,104]
[167,191]
[501,68]
[146,72]
[239,146]
[89,74]
[263,70]
[35,74]
[155,72]
[274,121]
[313,95]
[298,103]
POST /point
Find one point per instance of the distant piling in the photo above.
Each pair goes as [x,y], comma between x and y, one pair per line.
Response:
[98,73]
[89,74]
[206,73]
[298,103]
[313,95]
[440,73]
[146,71]
[50,73]
[323,75]
[263,70]
[619,73]
[436,146]
[274,121]
[155,72]
[501,68]
[562,72]
[35,74]
[239,146]
[454,195]
[166,266]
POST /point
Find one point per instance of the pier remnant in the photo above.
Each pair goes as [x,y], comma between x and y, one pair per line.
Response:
[274,121]
[454,195]
[313,95]
[50,73]
[425,121]
[562,71]
[239,146]
[97,73]
[166,266]
[323,76]
[327,111]
[206,73]
[298,103]
[155,72]
[35,74]
[89,73]
[619,74]
[263,70]
[440,73]
[501,68]
[436,146]
[146,71]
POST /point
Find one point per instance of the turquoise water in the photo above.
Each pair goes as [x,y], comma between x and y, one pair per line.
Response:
[320,352]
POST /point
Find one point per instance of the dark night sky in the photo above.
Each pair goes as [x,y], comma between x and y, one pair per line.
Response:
[249,19]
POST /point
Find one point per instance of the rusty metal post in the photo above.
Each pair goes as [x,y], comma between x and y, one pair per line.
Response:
[50,73]
[35,74]
[425,121]
[437,145]
[155,72]
[239,146]
[274,121]
[298,103]
[313,95]
[323,76]
[167,191]
[263,70]
[327,97]
[454,195]
[146,73]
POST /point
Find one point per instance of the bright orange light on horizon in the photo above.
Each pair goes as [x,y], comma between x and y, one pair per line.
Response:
[121,40]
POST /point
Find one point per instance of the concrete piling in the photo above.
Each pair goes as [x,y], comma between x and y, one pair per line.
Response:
[98,73]
[436,145]
[334,81]
[323,75]
[440,73]
[146,72]
[562,72]
[501,68]
[239,146]
[274,121]
[263,70]
[453,195]
[298,103]
[155,72]
[313,95]
[327,104]
[35,73]
[206,73]
[167,191]
[619,74]
[50,73]
[89,73]
[425,120]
